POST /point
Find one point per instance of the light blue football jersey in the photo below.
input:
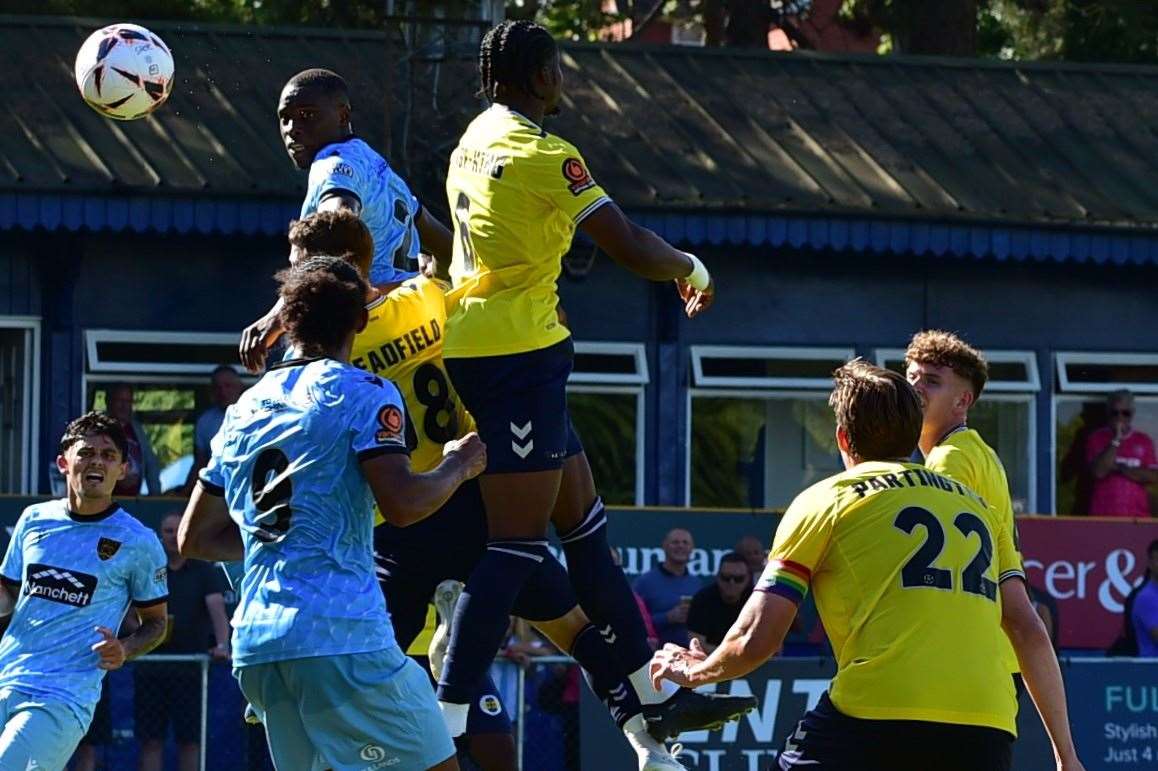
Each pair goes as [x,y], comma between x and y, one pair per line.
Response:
[74,574]
[388,206]
[287,462]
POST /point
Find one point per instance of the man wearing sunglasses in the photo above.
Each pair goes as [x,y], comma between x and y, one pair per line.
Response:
[1122,461]
[717,606]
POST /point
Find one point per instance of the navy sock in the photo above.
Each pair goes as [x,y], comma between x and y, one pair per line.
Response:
[483,613]
[603,675]
[547,594]
[603,591]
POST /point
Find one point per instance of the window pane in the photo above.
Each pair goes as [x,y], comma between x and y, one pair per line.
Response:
[166,410]
[606,425]
[12,392]
[1005,427]
[1077,418]
[759,452]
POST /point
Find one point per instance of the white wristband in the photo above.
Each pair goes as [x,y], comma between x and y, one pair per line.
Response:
[698,278]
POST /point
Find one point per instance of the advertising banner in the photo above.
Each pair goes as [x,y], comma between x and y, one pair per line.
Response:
[1087,565]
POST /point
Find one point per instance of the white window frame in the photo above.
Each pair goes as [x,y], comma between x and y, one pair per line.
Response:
[787,353]
[1032,383]
[1065,358]
[1082,392]
[635,383]
[762,388]
[30,423]
[95,336]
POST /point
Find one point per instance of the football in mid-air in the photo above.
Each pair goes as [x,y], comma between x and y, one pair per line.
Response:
[124,71]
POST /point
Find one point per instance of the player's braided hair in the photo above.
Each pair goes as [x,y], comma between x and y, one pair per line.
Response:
[323,301]
[95,424]
[510,53]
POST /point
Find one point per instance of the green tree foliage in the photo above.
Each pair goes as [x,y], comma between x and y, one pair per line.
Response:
[335,13]
[1067,30]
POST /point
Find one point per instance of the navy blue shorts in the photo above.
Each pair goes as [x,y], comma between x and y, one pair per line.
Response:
[519,402]
[413,561]
[828,740]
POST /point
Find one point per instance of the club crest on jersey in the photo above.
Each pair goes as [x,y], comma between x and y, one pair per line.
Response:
[490,704]
[392,421]
[577,176]
[107,547]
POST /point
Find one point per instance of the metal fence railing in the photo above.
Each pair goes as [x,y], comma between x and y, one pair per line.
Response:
[144,703]
[545,712]
[542,697]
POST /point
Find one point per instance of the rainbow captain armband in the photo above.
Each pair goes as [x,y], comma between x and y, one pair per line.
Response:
[786,578]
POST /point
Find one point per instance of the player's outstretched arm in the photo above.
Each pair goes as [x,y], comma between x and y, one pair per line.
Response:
[436,241]
[405,497]
[1040,669]
[644,253]
[259,337]
[757,634]
[207,532]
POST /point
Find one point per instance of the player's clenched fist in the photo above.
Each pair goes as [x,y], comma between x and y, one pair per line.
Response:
[471,451]
[109,649]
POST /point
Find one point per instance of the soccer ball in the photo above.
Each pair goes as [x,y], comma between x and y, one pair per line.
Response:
[124,71]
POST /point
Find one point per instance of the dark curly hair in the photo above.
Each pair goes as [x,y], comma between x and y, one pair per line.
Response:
[324,299]
[509,55]
[338,232]
[95,424]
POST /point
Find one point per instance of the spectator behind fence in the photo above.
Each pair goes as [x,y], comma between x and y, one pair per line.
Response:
[755,555]
[141,461]
[1145,610]
[225,388]
[1122,462]
[717,606]
[170,692]
[652,635]
[667,589]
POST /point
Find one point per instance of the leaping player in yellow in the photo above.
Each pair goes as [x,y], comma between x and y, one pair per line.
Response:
[517,194]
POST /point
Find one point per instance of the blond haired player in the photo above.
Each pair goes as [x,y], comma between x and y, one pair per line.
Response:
[914,578]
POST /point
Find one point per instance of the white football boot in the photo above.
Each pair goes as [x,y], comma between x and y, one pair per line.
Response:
[653,756]
[445,599]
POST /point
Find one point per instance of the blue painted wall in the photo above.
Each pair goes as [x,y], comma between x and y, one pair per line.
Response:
[768,297]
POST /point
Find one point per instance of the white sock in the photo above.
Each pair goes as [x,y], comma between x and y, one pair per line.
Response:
[641,682]
[455,717]
[635,725]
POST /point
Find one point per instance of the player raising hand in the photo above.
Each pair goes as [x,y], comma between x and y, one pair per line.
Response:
[517,194]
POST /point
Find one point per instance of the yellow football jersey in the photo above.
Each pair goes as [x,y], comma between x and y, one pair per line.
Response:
[963,455]
[403,343]
[516,194]
[905,565]
[421,644]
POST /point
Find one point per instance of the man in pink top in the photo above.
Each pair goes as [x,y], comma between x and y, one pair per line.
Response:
[1122,461]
